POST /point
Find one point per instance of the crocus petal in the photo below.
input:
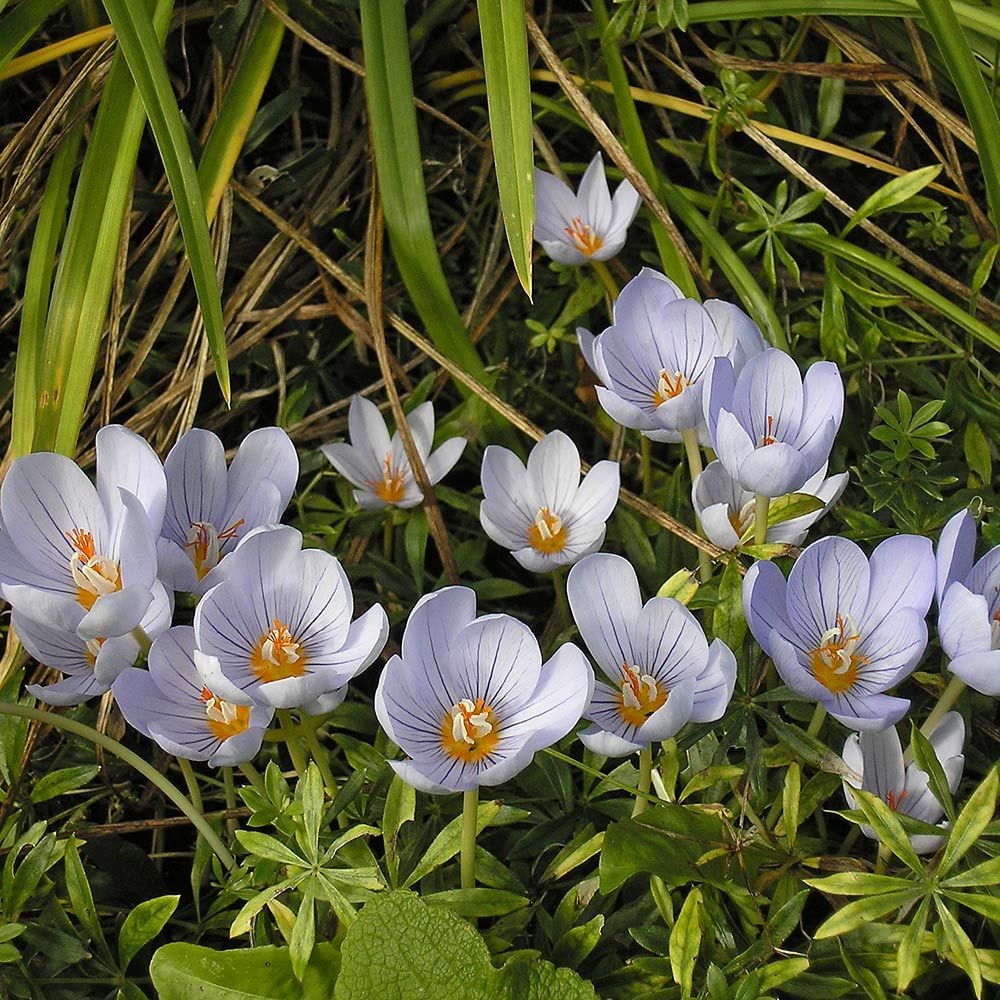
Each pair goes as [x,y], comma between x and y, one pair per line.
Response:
[672,717]
[543,562]
[622,412]
[598,493]
[315,602]
[871,712]
[984,578]
[668,643]
[197,484]
[717,526]
[265,454]
[793,531]
[506,486]
[714,685]
[891,650]
[433,629]
[586,340]
[765,605]
[175,567]
[603,592]
[440,776]
[126,461]
[768,398]
[117,653]
[368,432]
[412,720]
[732,444]
[948,738]
[47,607]
[52,647]
[562,252]
[600,741]
[238,749]
[325,703]
[739,336]
[902,575]
[421,421]
[116,613]
[555,206]
[720,383]
[73,689]
[788,663]
[357,466]
[773,470]
[138,698]
[365,640]
[822,405]
[134,544]
[956,551]
[884,774]
[981,671]
[443,460]
[499,525]
[554,470]
[594,197]
[624,206]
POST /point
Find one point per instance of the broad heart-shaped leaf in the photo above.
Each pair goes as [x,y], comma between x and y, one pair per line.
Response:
[508,98]
[142,924]
[187,971]
[400,948]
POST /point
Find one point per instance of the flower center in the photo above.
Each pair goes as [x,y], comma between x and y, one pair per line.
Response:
[547,533]
[203,546]
[742,519]
[94,575]
[224,718]
[995,630]
[583,237]
[894,800]
[835,662]
[641,695]
[769,437]
[469,731]
[277,655]
[91,652]
[670,385]
[391,487]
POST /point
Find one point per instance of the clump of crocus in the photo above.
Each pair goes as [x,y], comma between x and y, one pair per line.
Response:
[469,700]
[377,464]
[173,705]
[726,510]
[969,600]
[588,226]
[843,630]
[210,508]
[662,670]
[542,512]
[78,558]
[772,429]
[278,631]
[877,759]
[654,358]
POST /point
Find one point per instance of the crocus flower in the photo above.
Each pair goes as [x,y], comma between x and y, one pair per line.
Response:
[209,508]
[726,510]
[878,760]
[172,704]
[843,630]
[278,631]
[543,513]
[969,601]
[76,558]
[772,429]
[469,699]
[378,465]
[654,358]
[90,666]
[590,225]
[662,671]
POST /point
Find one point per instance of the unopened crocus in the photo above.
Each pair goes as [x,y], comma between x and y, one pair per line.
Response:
[172,704]
[278,631]
[662,671]
[969,600]
[771,428]
[655,356]
[469,700]
[377,464]
[210,508]
[842,630]
[542,512]
[877,758]
[726,510]
[89,666]
[587,226]
[78,558]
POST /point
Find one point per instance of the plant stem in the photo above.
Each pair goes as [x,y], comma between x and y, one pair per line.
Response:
[816,722]
[387,536]
[690,438]
[605,275]
[140,635]
[319,755]
[229,785]
[760,519]
[191,780]
[292,741]
[470,819]
[253,776]
[164,784]
[645,452]
[645,779]
[946,702]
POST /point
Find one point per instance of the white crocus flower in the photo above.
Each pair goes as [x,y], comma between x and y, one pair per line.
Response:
[587,226]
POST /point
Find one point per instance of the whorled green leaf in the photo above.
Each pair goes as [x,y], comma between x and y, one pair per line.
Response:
[685,941]
[478,902]
[911,945]
[892,193]
[859,884]
[63,780]
[970,823]
[865,910]
[400,808]
[508,98]
[888,829]
[963,952]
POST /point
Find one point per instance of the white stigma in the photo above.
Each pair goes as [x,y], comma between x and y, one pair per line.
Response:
[219,710]
[648,689]
[279,648]
[96,575]
[468,725]
[548,524]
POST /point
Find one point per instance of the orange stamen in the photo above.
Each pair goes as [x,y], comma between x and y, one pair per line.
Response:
[583,237]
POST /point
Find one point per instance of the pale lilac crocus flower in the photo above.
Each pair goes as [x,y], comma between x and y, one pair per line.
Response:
[90,666]
[655,356]
[843,630]
[770,428]
[210,507]
[278,631]
[377,464]
[588,226]
[877,758]
[542,512]
[469,700]
[78,558]
[969,602]
[171,704]
[663,671]
[726,510]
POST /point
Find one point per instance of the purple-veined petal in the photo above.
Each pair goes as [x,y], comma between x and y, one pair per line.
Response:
[366,638]
[732,444]
[668,643]
[714,685]
[197,486]
[355,465]
[956,550]
[868,712]
[891,650]
[672,716]
[765,605]
[773,470]
[499,524]
[116,613]
[768,398]
[554,471]
[902,575]
[440,776]
[134,543]
[622,411]
[597,495]
[443,460]
[238,749]
[594,197]
[175,567]
[315,602]
[266,454]
[506,486]
[788,663]
[739,337]
[607,744]
[586,340]
[325,703]
[984,578]
[411,703]
[555,206]
[882,763]
[433,629]
[126,461]
[980,670]
[720,387]
[822,404]
[115,655]
[563,252]
[624,207]
[48,607]
[74,689]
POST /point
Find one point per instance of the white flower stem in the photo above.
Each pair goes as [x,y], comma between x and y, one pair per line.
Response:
[816,722]
[945,704]
[601,269]
[253,776]
[690,438]
[645,779]
[470,820]
[140,635]
[229,785]
[760,519]
[291,733]
[319,754]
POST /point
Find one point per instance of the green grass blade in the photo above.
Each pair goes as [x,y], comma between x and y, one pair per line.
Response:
[238,109]
[392,113]
[942,22]
[37,289]
[142,50]
[82,287]
[21,24]
[508,98]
